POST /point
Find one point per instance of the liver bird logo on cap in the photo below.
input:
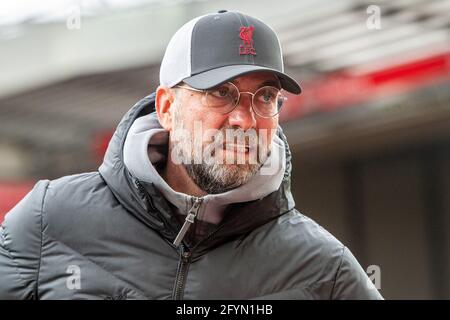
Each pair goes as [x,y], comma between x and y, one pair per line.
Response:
[246,34]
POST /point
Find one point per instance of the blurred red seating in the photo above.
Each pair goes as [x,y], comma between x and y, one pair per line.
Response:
[11,193]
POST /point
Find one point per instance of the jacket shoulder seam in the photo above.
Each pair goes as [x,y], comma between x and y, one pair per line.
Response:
[337,272]
[36,291]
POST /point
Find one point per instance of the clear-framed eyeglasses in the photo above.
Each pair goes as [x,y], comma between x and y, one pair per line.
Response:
[266,101]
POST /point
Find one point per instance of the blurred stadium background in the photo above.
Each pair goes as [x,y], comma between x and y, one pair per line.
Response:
[370,135]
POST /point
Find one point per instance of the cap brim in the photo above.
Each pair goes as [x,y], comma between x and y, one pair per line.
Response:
[214,77]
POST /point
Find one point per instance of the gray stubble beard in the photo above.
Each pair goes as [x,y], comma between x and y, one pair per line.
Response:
[214,178]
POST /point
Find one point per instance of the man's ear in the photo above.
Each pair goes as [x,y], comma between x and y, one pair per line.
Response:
[164,103]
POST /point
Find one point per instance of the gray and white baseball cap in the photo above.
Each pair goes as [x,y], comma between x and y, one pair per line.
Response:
[217,47]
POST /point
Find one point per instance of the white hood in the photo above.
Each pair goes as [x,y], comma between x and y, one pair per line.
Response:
[146,145]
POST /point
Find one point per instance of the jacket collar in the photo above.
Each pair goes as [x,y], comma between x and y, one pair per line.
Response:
[145,151]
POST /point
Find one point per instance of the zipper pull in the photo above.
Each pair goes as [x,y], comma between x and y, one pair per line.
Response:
[190,219]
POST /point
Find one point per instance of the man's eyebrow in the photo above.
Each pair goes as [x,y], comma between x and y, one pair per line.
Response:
[272,82]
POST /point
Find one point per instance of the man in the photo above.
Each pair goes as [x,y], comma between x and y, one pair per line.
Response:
[193,198]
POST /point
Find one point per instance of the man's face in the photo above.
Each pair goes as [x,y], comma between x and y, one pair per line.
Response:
[233,146]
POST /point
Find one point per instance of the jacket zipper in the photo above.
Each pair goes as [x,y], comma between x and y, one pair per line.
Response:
[181,274]
[188,222]
[142,190]
[185,255]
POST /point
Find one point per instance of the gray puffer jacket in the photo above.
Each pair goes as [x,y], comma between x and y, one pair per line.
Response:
[106,235]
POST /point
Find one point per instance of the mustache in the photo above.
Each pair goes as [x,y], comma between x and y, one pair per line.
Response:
[230,136]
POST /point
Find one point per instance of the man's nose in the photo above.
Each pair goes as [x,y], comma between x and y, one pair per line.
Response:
[243,115]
